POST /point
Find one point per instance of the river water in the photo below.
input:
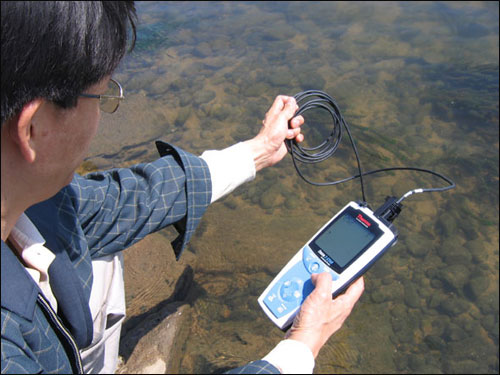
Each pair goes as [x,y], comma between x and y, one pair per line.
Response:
[418,83]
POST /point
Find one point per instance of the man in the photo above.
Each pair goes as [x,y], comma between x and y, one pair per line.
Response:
[62,234]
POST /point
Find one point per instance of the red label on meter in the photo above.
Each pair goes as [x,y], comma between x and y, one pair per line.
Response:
[363,221]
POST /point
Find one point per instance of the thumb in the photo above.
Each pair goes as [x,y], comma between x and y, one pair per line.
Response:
[323,284]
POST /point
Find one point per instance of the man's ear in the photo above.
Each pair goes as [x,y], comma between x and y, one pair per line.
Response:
[21,129]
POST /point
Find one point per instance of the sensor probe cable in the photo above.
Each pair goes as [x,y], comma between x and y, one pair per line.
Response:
[313,99]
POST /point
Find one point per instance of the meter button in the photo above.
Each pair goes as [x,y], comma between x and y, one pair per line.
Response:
[311,261]
[289,290]
[314,267]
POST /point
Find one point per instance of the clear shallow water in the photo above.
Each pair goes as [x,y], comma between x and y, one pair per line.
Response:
[418,84]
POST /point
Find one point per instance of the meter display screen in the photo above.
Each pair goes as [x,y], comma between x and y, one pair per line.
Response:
[346,238]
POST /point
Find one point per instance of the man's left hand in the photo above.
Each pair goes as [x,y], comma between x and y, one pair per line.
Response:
[268,147]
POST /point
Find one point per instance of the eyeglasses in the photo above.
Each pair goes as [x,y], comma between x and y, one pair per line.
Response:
[109,101]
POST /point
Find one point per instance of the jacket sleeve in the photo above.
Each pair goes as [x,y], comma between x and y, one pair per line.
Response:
[256,367]
[117,208]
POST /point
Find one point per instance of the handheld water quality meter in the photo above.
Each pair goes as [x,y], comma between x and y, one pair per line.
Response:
[346,246]
[349,243]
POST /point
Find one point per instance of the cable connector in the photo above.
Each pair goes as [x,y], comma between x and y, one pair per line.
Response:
[389,210]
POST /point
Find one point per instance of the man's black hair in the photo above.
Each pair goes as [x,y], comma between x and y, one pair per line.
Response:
[57,49]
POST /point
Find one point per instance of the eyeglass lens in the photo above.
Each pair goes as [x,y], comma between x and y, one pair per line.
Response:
[110,105]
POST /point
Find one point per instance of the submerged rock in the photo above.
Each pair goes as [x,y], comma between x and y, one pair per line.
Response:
[182,116]
[455,276]
[151,344]
[411,296]
[477,286]
[202,97]
[453,306]
[417,245]
[454,333]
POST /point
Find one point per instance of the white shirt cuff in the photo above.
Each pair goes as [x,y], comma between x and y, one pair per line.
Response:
[229,168]
[291,357]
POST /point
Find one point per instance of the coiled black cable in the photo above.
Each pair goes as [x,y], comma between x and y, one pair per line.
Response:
[314,99]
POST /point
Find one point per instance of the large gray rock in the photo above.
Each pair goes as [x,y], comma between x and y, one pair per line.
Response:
[153,342]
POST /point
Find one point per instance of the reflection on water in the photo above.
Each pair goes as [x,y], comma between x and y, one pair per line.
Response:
[418,84]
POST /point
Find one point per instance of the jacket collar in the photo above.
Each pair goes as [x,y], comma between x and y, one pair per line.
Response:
[72,303]
[19,291]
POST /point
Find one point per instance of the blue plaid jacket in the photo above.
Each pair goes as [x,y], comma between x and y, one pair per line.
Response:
[99,214]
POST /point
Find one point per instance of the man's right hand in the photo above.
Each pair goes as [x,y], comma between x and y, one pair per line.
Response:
[320,316]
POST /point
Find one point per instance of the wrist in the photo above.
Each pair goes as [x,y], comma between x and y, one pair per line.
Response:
[261,151]
[306,340]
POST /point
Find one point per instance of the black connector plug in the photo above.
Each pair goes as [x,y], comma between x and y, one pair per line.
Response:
[389,210]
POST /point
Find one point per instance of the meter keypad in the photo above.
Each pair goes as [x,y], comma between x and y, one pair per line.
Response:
[295,285]
[290,292]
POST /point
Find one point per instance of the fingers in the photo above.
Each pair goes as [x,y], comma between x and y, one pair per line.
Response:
[285,105]
[297,122]
[356,289]
[353,293]
[292,133]
[323,289]
[278,104]
[295,130]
